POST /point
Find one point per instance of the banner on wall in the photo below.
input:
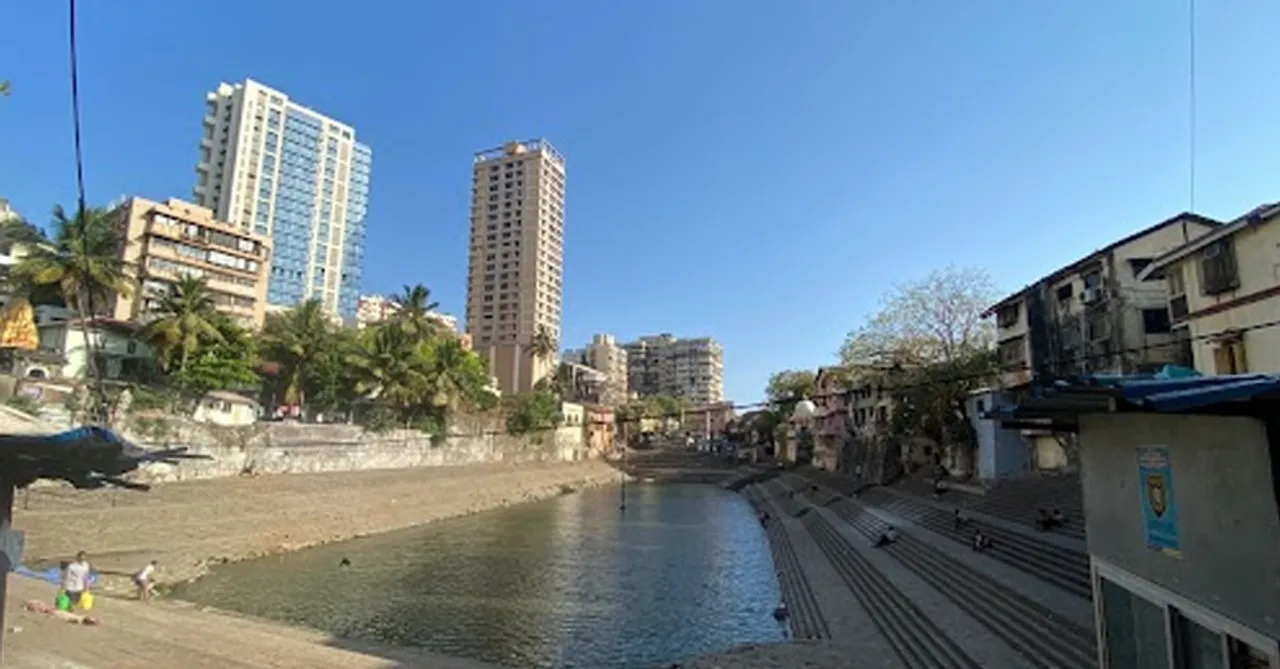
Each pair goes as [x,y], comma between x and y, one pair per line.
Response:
[1159,504]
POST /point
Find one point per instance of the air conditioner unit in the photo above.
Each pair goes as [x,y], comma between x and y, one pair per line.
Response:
[1091,295]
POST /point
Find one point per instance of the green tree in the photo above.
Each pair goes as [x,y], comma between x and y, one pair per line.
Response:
[84,261]
[223,364]
[543,346]
[185,319]
[391,369]
[415,309]
[930,346]
[4,88]
[293,343]
[932,320]
[533,411]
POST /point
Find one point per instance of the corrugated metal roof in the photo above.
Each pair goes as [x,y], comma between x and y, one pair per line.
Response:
[1144,393]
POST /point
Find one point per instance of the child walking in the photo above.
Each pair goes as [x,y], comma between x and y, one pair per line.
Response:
[143,580]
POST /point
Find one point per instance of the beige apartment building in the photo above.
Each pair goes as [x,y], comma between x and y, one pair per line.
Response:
[278,169]
[604,355]
[166,240]
[1223,289]
[664,365]
[1098,315]
[516,267]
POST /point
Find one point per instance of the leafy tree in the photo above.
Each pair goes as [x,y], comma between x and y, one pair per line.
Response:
[936,319]
[415,309]
[294,342]
[223,364]
[930,346]
[788,387]
[533,411]
[84,261]
[186,318]
[4,88]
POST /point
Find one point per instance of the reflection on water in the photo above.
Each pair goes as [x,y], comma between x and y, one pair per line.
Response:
[568,582]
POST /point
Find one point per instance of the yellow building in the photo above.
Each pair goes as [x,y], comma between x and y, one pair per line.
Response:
[164,241]
[1222,286]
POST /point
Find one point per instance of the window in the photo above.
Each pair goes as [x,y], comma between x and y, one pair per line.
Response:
[1229,357]
[1218,268]
[1013,352]
[1177,293]
[1136,265]
[1156,321]
[1134,630]
[1007,316]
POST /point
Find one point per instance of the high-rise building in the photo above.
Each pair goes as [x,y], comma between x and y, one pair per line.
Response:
[280,170]
[164,241]
[516,261]
[605,356]
[664,365]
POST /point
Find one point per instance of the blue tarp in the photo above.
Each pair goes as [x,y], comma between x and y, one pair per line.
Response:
[51,575]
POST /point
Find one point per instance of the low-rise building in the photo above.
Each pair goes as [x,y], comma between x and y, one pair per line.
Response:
[1223,290]
[831,416]
[1180,507]
[164,241]
[605,356]
[1096,315]
[600,426]
[114,346]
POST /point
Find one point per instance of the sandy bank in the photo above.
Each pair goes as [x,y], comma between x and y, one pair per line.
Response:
[167,635]
[190,525]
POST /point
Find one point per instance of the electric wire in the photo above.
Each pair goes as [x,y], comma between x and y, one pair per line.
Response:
[91,361]
[959,378]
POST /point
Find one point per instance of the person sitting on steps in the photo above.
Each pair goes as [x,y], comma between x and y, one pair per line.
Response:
[960,519]
[888,536]
[981,542]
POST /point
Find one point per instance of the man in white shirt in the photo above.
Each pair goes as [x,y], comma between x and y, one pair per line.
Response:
[142,579]
[75,580]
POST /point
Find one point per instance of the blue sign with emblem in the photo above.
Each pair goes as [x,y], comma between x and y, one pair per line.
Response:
[1159,505]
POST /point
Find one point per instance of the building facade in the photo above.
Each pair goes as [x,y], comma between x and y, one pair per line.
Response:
[664,365]
[275,168]
[1221,286]
[165,240]
[516,267]
[604,355]
[1096,316]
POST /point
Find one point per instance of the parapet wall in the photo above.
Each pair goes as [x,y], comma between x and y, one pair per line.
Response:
[293,448]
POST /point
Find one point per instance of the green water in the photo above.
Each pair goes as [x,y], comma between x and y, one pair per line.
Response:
[567,582]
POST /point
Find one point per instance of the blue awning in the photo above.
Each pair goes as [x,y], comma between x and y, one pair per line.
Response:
[1143,393]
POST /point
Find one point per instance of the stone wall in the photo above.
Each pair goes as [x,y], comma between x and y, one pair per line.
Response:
[292,448]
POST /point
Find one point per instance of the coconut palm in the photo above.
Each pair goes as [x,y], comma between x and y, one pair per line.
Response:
[543,345]
[391,367]
[185,319]
[84,261]
[293,342]
[415,309]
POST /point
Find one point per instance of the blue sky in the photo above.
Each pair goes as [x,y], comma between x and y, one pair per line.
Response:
[760,172]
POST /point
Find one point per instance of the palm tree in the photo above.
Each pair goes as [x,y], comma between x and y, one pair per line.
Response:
[391,366]
[415,307]
[293,341]
[84,261]
[543,345]
[458,376]
[186,318]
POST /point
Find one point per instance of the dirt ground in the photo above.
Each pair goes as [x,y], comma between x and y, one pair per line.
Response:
[189,525]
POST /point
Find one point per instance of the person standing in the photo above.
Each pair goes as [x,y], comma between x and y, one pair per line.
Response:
[143,581]
[75,580]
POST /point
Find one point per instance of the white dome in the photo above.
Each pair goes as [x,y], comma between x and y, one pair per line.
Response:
[804,410]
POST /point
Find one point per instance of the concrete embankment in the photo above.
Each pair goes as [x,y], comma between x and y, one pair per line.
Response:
[190,525]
